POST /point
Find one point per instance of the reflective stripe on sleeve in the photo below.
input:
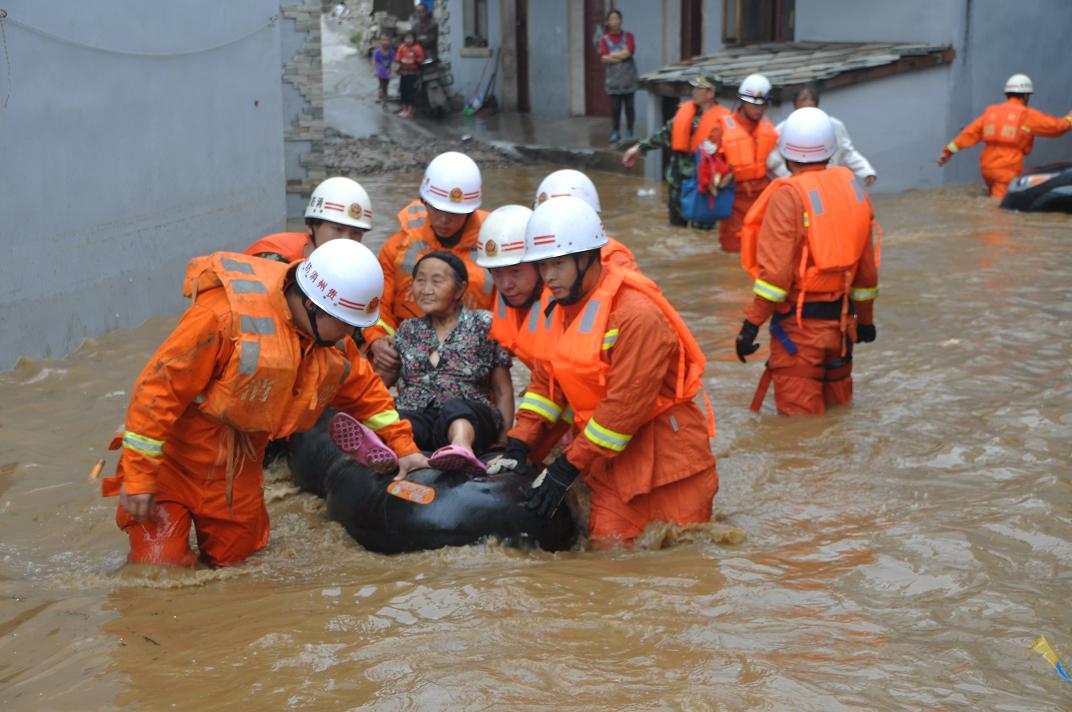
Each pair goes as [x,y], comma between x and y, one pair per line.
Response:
[769,292]
[385,326]
[952,147]
[605,437]
[862,294]
[609,338]
[544,407]
[382,420]
[142,444]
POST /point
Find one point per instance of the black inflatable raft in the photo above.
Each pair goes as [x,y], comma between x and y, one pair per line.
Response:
[1045,189]
[464,510]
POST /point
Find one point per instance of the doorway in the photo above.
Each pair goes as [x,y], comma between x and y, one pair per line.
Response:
[596,101]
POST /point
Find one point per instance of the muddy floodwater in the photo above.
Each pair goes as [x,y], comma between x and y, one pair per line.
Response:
[899,553]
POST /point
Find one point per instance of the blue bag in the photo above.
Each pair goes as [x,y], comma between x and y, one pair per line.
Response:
[698,207]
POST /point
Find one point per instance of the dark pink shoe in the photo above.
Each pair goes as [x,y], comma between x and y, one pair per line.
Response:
[362,444]
[454,458]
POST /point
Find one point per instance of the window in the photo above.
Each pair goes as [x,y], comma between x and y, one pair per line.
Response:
[476,23]
[754,21]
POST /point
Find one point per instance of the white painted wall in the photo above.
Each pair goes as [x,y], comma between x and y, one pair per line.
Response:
[116,169]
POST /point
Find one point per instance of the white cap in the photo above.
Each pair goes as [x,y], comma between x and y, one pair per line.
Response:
[502,237]
[563,226]
[341,200]
[808,136]
[452,183]
[567,182]
[755,89]
[1019,84]
[345,279]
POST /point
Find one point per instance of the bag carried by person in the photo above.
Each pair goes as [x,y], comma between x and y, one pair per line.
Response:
[697,203]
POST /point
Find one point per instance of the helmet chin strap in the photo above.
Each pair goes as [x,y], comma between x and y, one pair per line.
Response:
[311,312]
[456,237]
[575,289]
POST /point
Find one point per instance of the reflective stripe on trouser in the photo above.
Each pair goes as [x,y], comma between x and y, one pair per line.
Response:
[686,501]
[225,535]
[818,342]
[542,406]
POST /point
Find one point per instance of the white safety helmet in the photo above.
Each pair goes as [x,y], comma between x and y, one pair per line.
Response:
[341,200]
[808,136]
[345,279]
[452,183]
[755,89]
[563,226]
[502,237]
[567,182]
[1019,84]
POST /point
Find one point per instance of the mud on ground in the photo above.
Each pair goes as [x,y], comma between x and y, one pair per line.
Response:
[345,155]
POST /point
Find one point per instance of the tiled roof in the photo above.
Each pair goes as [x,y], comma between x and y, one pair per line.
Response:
[792,64]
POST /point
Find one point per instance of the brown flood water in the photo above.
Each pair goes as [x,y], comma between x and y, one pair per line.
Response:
[901,553]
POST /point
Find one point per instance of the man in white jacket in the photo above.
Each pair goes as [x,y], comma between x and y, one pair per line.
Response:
[846,154]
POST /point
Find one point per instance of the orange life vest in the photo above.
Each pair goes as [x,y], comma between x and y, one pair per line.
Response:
[290,245]
[1003,125]
[838,219]
[269,384]
[577,353]
[682,137]
[419,240]
[747,152]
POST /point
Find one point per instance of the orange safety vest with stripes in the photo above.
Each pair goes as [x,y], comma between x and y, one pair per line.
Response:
[578,359]
[418,240]
[838,219]
[747,152]
[682,137]
[268,385]
[288,245]
[1003,125]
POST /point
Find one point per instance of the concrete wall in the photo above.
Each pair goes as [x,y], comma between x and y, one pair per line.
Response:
[988,36]
[117,168]
[466,70]
[303,101]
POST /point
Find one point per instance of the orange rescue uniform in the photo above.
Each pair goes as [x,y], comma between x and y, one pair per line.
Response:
[745,145]
[280,246]
[1008,131]
[235,374]
[629,368]
[782,259]
[399,255]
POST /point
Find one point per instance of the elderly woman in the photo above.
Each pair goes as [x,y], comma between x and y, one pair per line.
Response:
[449,367]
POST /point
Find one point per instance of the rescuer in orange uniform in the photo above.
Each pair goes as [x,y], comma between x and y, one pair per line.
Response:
[745,138]
[807,243]
[447,217]
[338,208]
[620,356]
[1008,131]
[253,359]
[691,126]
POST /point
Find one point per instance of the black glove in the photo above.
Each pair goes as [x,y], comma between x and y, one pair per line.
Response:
[549,489]
[515,457]
[865,333]
[746,340]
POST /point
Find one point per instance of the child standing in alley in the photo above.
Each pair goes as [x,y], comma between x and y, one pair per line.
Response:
[409,58]
[382,58]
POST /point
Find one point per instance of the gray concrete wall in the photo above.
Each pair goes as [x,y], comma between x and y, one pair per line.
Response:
[118,168]
[989,39]
[466,70]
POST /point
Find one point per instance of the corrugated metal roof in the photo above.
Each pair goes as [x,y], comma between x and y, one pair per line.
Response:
[792,64]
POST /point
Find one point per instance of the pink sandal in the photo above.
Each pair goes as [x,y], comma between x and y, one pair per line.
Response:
[454,458]
[362,444]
